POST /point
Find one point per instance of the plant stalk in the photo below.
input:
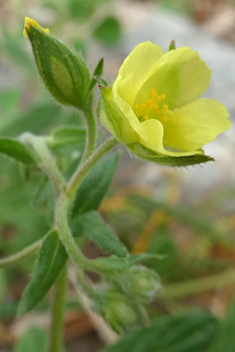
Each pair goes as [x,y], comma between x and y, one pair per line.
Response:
[56,337]
[25,253]
[192,287]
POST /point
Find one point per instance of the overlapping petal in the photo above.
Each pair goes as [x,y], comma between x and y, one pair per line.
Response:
[181,75]
[136,69]
[192,126]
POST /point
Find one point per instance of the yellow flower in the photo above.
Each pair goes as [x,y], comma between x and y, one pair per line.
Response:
[153,105]
[28,22]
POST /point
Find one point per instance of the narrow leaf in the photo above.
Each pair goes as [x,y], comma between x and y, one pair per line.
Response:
[51,259]
[95,185]
[189,332]
[65,135]
[16,150]
[92,226]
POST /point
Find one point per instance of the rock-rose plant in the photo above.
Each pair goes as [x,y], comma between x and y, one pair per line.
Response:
[152,108]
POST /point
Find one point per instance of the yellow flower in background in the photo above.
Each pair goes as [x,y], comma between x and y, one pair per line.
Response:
[153,105]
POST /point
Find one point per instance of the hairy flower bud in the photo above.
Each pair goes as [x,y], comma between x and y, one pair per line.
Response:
[64,73]
[142,282]
[118,310]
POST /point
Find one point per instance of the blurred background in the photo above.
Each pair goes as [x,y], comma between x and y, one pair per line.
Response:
[186,214]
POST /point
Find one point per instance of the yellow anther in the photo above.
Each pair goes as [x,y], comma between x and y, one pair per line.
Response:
[165,118]
[150,108]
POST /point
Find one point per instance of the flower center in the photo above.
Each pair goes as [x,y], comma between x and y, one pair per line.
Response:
[150,109]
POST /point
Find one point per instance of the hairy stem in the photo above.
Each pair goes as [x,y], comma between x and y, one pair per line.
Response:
[25,253]
[74,253]
[91,132]
[83,169]
[58,312]
[61,222]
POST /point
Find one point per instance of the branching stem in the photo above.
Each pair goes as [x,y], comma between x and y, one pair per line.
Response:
[83,169]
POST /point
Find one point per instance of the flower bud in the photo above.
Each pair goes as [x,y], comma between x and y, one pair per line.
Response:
[142,282]
[118,311]
[64,73]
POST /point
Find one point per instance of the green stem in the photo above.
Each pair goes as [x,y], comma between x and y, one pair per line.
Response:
[91,131]
[25,253]
[58,312]
[200,285]
[75,255]
[83,169]
[61,222]
[46,161]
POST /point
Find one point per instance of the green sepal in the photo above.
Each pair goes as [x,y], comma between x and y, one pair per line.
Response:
[166,160]
[114,264]
[64,73]
[119,310]
[172,46]
[97,74]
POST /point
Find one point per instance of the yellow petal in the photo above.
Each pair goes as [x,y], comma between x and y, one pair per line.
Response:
[192,126]
[181,75]
[136,69]
[29,22]
[155,137]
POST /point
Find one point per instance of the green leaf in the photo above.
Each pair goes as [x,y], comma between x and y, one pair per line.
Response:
[33,340]
[95,185]
[111,264]
[92,226]
[225,339]
[190,332]
[108,31]
[16,150]
[51,259]
[67,135]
